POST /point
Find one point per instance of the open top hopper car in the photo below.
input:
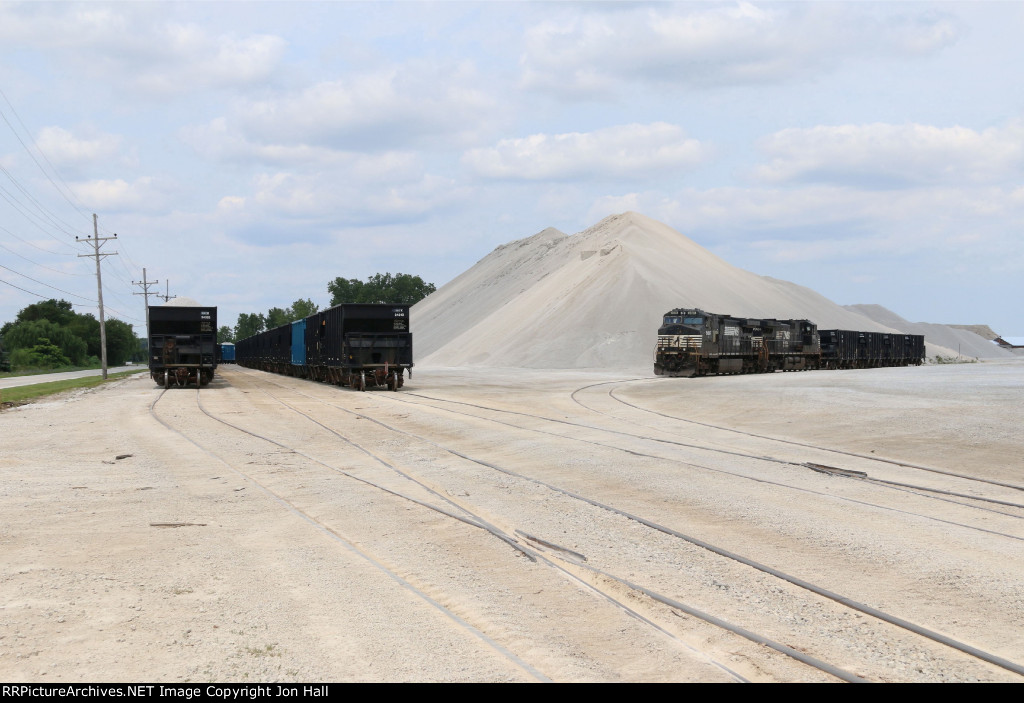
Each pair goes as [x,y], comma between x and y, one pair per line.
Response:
[182,345]
[357,345]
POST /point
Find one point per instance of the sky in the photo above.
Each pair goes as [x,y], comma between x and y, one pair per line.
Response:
[246,153]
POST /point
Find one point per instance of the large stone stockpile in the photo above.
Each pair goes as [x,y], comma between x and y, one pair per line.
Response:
[595,299]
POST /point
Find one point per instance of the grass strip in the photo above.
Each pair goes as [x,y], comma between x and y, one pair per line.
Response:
[22,394]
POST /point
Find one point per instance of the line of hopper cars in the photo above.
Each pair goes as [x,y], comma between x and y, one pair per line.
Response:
[357,345]
[692,342]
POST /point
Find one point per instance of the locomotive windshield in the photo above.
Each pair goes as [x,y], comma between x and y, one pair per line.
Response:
[680,320]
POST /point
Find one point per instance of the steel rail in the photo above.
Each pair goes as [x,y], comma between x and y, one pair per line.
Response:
[927,633]
[702,467]
[758,457]
[534,556]
[351,547]
[884,460]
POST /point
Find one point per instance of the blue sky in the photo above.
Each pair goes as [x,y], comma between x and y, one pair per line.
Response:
[248,153]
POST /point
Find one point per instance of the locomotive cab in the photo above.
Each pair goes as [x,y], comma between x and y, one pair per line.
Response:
[684,329]
[682,338]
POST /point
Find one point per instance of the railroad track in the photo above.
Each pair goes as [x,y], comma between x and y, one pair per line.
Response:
[615,385]
[1013,498]
[583,578]
[975,502]
[661,585]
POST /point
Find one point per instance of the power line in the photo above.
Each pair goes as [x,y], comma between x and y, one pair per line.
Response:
[125,315]
[47,284]
[36,246]
[39,206]
[27,215]
[23,289]
[41,153]
[36,263]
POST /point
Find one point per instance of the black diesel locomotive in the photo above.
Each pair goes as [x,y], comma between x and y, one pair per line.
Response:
[357,345]
[182,345]
[692,342]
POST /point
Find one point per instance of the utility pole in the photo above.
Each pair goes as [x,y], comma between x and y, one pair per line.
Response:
[97,242]
[145,291]
[167,294]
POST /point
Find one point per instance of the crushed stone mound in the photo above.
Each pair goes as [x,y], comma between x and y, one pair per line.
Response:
[182,302]
[962,340]
[595,299]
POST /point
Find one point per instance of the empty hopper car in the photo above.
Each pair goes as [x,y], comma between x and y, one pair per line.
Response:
[357,345]
[182,345]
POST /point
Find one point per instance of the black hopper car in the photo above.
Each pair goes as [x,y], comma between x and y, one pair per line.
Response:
[357,345]
[182,345]
[692,342]
[846,349]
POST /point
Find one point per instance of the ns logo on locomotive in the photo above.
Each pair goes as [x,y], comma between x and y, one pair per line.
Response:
[692,342]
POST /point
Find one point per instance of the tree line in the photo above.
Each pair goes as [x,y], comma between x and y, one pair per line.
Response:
[50,334]
[399,288]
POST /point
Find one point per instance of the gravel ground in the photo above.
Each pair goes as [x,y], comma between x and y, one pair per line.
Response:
[274,529]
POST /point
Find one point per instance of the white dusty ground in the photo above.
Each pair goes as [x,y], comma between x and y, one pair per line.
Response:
[311,553]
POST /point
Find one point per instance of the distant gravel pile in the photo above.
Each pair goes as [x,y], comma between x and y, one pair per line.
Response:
[595,299]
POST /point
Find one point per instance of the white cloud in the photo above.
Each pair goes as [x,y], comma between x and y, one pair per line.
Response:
[886,155]
[625,151]
[337,199]
[415,103]
[118,195]
[188,57]
[62,147]
[908,220]
[599,51]
[135,45]
[221,141]
[231,204]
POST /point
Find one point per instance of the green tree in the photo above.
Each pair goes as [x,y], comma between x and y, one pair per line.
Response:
[87,328]
[277,317]
[345,290]
[60,312]
[402,288]
[31,333]
[44,355]
[122,344]
[248,325]
[302,309]
[77,336]
[225,334]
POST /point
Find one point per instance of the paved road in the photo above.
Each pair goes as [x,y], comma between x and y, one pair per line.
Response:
[15,381]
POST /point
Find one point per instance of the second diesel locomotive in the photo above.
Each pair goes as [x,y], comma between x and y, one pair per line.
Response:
[692,342]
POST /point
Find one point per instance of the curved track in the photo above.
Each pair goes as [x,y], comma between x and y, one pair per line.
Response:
[882,460]
[936,493]
[579,574]
[315,395]
[349,545]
